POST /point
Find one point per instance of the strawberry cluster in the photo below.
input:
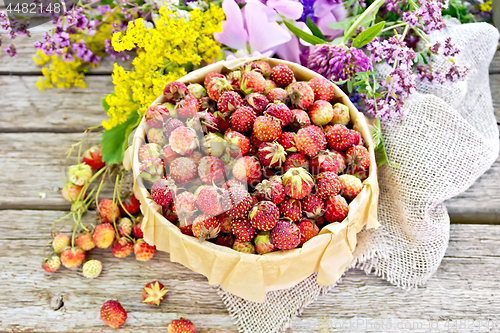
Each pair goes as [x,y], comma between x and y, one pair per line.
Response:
[254,159]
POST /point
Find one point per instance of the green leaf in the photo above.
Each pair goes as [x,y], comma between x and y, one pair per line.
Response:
[105,104]
[368,35]
[106,2]
[304,35]
[115,141]
[344,24]
[314,28]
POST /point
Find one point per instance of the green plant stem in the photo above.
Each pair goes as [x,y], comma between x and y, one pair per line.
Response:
[394,26]
[373,8]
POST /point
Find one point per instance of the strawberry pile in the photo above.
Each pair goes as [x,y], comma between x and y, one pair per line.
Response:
[253,160]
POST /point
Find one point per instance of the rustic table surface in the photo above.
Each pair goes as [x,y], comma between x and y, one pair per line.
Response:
[36,128]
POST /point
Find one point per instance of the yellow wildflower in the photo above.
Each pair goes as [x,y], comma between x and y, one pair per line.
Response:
[486,6]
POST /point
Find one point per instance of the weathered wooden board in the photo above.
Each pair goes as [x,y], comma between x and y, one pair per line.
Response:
[495,64]
[465,287]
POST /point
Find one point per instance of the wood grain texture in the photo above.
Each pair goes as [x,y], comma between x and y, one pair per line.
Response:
[495,64]
[465,287]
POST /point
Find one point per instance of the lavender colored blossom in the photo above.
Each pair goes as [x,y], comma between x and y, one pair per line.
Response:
[338,63]
[393,50]
[428,16]
[11,50]
[449,49]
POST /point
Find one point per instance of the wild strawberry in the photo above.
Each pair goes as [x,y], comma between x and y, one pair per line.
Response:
[61,242]
[270,84]
[181,326]
[271,190]
[80,174]
[143,251]
[210,199]
[71,192]
[108,211]
[242,229]
[197,90]
[234,78]
[313,206]
[124,226]
[170,215]
[324,161]
[328,184]
[322,88]
[211,170]
[340,137]
[209,122]
[263,67]
[254,141]
[175,91]
[233,183]
[214,145]
[280,111]
[131,205]
[277,95]
[308,229]
[290,209]
[236,202]
[122,248]
[210,76]
[341,114]
[170,125]
[298,183]
[93,158]
[104,235]
[153,293]
[183,140]
[237,143]
[149,150]
[113,314]
[51,265]
[340,157]
[183,170]
[282,75]
[296,160]
[186,226]
[92,269]
[225,223]
[321,113]
[301,95]
[225,240]
[252,82]
[357,159]
[264,215]
[156,115]
[156,135]
[287,140]
[205,227]
[245,247]
[351,186]
[185,205]
[272,154]
[136,230]
[285,235]
[84,241]
[300,119]
[267,128]
[151,169]
[336,209]
[263,242]
[187,107]
[72,257]
[163,191]
[256,101]
[217,86]
[242,119]
[310,140]
[247,170]
[229,101]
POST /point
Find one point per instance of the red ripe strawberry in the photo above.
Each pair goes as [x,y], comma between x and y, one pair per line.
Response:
[308,229]
[217,86]
[252,82]
[51,265]
[351,186]
[71,192]
[264,215]
[149,150]
[225,223]
[341,114]
[280,111]
[104,235]
[153,293]
[187,107]
[143,251]
[270,84]
[175,91]
[170,125]
[237,143]
[277,95]
[169,214]
[108,211]
[300,119]
[321,113]
[156,115]
[237,202]
[93,158]
[185,205]
[183,140]
[357,138]
[229,101]
[256,101]
[183,170]
[84,241]
[298,183]
[287,140]
[340,157]
[322,88]
[186,226]
[247,170]
[336,209]
[131,205]
[262,67]
[285,235]
[72,257]
[225,240]
[210,76]
[163,191]
[301,95]
[267,128]
[210,199]
[328,184]
[310,140]
[296,160]
[290,209]
[151,169]
[181,326]
[245,247]
[113,314]
[122,248]
[263,242]
[313,206]
[271,190]
[242,119]
[324,161]
[340,137]
[242,229]
[205,227]
[358,159]
[254,141]
[282,75]
[272,154]
[136,230]
[169,155]
[211,170]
